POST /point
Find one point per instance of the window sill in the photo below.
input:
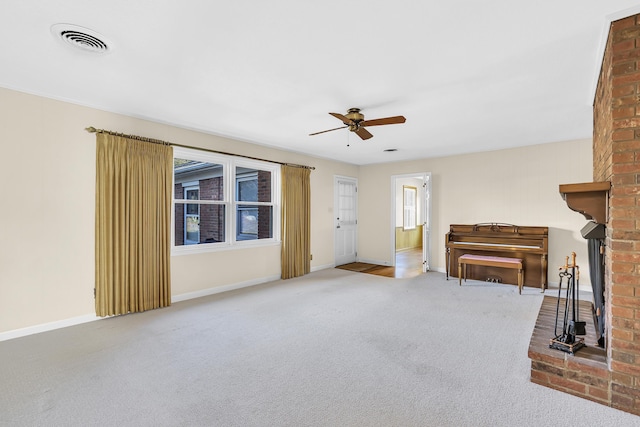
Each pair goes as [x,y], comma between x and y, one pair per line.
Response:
[222,247]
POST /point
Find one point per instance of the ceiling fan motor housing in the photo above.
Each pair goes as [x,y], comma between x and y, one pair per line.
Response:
[354,115]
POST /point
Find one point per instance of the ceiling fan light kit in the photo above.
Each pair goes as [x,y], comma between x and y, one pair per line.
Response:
[354,120]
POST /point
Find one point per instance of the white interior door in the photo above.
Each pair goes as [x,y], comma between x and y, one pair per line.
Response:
[345,219]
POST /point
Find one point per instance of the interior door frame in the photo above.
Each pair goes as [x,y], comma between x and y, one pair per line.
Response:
[426,217]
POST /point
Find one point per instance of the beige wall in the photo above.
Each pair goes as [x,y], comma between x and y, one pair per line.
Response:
[47,215]
[516,186]
[48,184]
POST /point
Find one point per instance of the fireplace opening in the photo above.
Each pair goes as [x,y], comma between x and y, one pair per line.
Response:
[595,234]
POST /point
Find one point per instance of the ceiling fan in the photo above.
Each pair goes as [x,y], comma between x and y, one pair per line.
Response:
[354,120]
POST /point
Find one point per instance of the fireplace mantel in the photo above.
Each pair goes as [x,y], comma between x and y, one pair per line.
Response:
[591,199]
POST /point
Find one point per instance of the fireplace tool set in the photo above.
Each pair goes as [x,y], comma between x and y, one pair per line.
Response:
[567,340]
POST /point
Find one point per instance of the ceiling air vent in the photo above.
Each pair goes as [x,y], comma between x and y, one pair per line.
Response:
[81,38]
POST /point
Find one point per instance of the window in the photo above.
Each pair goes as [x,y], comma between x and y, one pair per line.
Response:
[409,202]
[223,201]
[254,211]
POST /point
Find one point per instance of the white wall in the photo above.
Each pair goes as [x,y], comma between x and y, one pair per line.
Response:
[47,218]
[516,186]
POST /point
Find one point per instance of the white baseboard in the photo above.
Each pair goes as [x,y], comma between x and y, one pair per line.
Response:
[45,327]
[322,267]
[225,288]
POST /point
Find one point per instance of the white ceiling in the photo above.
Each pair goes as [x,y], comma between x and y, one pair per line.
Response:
[468,75]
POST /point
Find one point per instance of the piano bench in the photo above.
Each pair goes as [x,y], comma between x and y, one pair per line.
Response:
[490,261]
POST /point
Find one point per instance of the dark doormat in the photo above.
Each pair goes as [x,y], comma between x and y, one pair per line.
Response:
[363,267]
[357,266]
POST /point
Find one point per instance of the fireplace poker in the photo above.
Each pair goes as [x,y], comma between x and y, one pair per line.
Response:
[579,328]
[563,273]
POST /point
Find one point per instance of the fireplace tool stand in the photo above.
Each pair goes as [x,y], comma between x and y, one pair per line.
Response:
[567,340]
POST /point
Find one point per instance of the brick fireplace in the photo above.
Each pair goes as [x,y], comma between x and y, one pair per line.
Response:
[613,377]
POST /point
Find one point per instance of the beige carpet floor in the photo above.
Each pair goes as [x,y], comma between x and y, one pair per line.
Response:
[333,348]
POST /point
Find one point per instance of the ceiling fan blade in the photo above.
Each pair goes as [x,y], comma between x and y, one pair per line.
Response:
[363,133]
[347,121]
[329,130]
[385,121]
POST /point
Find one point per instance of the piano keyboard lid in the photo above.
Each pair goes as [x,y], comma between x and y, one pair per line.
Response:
[497,244]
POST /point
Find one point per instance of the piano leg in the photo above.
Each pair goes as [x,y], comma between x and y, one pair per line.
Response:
[447,262]
[520,280]
[543,279]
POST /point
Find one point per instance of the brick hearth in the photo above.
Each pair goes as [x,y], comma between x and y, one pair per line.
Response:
[585,373]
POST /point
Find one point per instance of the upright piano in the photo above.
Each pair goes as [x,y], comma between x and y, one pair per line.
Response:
[501,240]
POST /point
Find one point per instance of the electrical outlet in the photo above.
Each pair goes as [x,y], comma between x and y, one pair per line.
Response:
[311,259]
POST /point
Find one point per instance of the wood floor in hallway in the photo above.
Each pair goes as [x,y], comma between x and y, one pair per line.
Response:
[408,264]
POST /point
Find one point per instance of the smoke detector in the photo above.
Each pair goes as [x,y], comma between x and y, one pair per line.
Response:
[81,38]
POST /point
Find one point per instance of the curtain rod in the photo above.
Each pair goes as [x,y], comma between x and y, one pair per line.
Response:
[91,129]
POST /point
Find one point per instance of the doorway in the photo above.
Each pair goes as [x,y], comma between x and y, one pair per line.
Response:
[411,221]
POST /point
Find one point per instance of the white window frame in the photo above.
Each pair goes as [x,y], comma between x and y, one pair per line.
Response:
[229,165]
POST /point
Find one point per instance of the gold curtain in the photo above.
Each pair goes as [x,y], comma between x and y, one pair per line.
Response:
[296,222]
[133,230]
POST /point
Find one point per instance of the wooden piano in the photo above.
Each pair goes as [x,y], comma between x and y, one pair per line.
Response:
[499,240]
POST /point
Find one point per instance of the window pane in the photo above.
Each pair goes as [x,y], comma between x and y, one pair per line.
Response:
[205,177]
[253,185]
[347,212]
[409,197]
[205,227]
[248,190]
[192,193]
[192,233]
[248,220]
[254,222]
